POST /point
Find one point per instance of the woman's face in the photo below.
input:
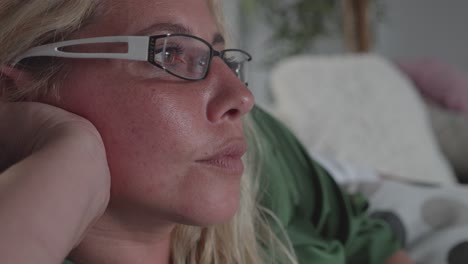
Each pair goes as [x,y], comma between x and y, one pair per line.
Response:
[173,146]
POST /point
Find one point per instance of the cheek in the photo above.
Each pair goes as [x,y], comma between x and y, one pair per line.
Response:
[148,130]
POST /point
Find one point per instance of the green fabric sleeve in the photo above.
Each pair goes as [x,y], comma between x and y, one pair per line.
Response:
[324,224]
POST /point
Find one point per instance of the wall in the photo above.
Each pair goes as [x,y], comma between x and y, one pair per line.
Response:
[425,28]
[410,30]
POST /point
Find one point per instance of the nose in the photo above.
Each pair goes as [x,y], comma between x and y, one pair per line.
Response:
[230,99]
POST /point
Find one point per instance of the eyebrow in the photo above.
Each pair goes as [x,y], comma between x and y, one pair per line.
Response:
[175,28]
[165,27]
[218,39]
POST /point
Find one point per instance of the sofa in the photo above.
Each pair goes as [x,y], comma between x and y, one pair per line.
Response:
[370,123]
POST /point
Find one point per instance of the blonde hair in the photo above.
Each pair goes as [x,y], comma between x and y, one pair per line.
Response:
[25,25]
[247,238]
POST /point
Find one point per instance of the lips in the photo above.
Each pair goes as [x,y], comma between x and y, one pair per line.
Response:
[227,157]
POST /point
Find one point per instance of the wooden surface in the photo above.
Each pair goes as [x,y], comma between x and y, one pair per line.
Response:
[356,25]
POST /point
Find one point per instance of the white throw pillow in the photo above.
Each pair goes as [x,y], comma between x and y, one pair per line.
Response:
[359,109]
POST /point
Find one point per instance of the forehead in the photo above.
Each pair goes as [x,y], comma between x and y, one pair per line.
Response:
[130,17]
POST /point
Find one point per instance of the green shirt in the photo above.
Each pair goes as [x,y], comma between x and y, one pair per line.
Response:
[324,224]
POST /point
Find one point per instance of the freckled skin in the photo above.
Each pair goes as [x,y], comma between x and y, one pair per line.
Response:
[155,126]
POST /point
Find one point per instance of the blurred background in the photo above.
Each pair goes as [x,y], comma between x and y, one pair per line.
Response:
[377,91]
[398,29]
[381,65]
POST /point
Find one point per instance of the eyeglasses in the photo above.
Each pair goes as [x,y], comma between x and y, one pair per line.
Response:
[184,56]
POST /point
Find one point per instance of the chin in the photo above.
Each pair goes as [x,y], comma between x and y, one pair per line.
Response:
[208,213]
[202,197]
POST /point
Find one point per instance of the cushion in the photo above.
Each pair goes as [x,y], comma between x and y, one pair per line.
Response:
[359,109]
[441,83]
[451,129]
[446,90]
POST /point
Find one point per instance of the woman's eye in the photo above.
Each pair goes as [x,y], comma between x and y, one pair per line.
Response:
[170,55]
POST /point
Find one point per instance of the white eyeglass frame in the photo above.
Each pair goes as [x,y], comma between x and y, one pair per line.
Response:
[139,49]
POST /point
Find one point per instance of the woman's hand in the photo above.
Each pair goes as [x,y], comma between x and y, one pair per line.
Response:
[28,127]
[54,181]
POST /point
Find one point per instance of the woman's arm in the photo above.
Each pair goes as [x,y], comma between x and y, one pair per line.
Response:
[60,186]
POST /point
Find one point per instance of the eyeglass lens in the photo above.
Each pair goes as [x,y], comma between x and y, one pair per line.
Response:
[189,57]
[237,61]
